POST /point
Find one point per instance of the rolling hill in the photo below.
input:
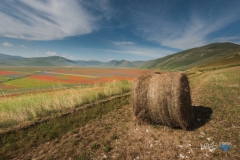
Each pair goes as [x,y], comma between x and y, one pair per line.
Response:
[39,61]
[180,61]
[7,60]
[193,57]
[231,60]
[124,63]
[4,56]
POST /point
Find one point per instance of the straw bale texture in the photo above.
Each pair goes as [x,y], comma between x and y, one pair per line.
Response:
[162,98]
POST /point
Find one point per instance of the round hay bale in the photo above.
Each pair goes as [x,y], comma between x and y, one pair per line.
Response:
[162,98]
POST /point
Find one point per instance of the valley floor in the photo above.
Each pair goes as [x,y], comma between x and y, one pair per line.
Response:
[117,135]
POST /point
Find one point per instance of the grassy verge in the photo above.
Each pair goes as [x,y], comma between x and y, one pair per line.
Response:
[16,110]
[16,143]
[220,90]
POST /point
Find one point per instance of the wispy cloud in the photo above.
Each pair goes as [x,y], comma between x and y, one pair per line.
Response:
[22,46]
[124,43]
[170,25]
[69,57]
[45,20]
[101,7]
[146,52]
[6,44]
[197,32]
[51,53]
[235,39]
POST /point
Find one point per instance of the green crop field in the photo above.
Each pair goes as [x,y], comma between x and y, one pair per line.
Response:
[2,78]
[30,83]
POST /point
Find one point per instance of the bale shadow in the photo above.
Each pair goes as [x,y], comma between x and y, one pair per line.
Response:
[202,116]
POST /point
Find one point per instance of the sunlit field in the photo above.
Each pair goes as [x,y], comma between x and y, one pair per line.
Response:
[108,128]
[15,80]
[16,110]
[28,93]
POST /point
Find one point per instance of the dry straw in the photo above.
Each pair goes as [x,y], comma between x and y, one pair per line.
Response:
[162,98]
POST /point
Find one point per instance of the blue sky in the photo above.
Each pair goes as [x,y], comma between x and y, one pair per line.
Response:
[114,29]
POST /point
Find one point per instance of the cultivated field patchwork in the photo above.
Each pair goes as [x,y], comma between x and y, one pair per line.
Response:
[110,130]
[51,78]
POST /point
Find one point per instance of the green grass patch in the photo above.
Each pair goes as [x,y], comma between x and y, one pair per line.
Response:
[15,110]
[19,142]
[30,83]
[220,90]
[2,78]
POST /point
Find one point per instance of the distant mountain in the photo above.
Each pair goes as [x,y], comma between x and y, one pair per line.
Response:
[180,61]
[4,56]
[193,57]
[124,63]
[7,60]
[89,63]
[139,63]
[38,61]
[54,60]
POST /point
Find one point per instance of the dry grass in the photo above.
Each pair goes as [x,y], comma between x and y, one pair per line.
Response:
[163,98]
[16,110]
[139,97]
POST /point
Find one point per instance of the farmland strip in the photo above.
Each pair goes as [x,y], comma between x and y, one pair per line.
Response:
[80,75]
[40,120]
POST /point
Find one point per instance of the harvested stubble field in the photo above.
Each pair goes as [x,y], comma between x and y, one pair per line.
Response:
[110,131]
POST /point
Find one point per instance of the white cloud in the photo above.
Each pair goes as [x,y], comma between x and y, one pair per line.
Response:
[6,44]
[22,46]
[142,51]
[64,55]
[195,34]
[51,53]
[46,20]
[100,6]
[191,28]
[69,57]
[72,58]
[234,39]
[124,43]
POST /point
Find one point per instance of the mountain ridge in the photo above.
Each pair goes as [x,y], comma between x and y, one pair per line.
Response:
[193,57]
[8,60]
[180,61]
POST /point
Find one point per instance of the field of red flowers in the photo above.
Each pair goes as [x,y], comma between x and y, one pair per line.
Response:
[11,74]
[64,77]
[102,72]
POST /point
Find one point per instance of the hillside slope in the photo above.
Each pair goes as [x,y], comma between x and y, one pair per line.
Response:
[38,61]
[230,60]
[4,56]
[193,57]
[122,63]
[8,60]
